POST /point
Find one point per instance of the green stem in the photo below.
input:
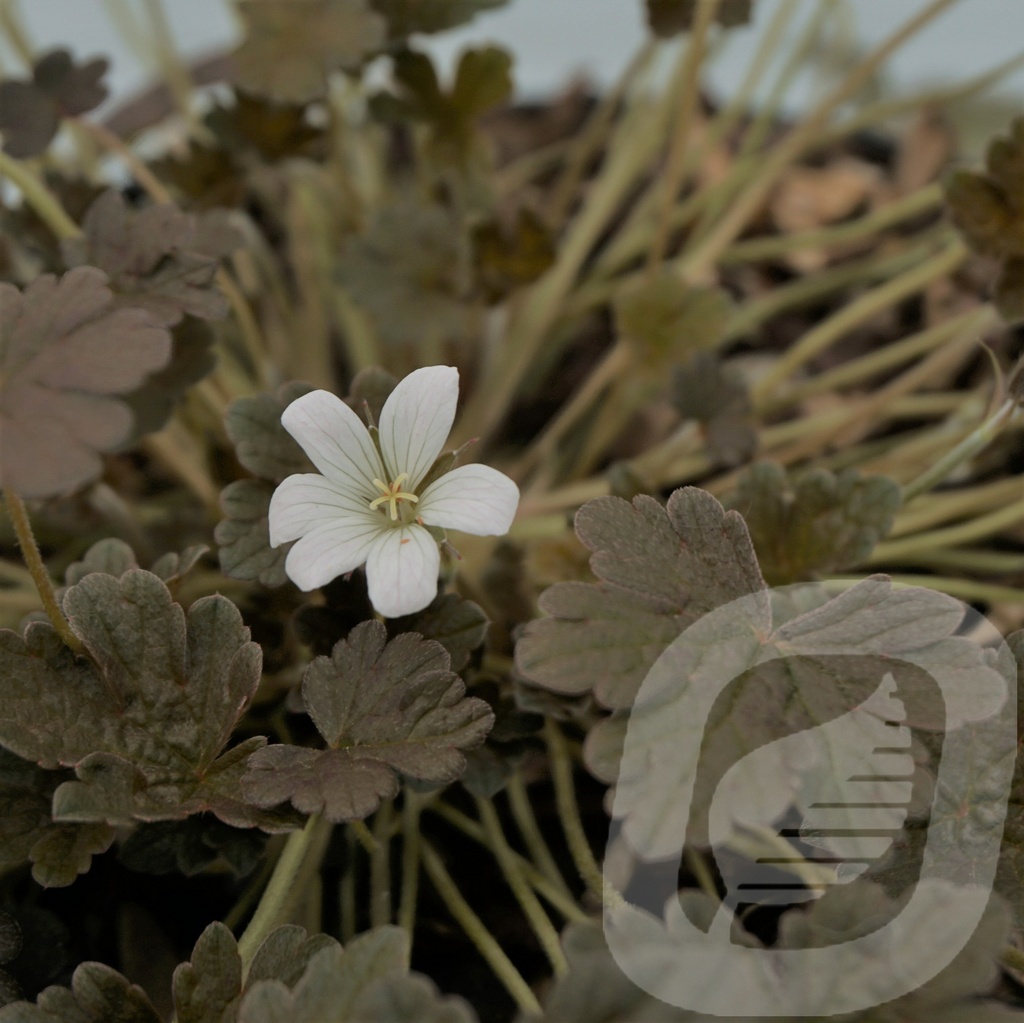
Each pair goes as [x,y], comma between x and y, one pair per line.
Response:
[555,895]
[967,448]
[39,197]
[962,589]
[34,563]
[347,891]
[873,363]
[411,841]
[1013,958]
[815,341]
[569,813]
[975,529]
[528,902]
[284,888]
[749,200]
[477,933]
[680,140]
[380,866]
[867,227]
[526,821]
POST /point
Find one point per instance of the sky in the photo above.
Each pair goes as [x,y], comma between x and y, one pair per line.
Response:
[553,39]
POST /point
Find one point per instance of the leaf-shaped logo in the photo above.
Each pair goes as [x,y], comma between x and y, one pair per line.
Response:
[845,679]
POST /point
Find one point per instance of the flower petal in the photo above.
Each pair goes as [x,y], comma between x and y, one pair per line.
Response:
[473,499]
[401,571]
[416,420]
[336,441]
[305,502]
[332,550]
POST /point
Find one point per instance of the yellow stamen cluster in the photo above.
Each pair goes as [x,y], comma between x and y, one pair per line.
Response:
[391,494]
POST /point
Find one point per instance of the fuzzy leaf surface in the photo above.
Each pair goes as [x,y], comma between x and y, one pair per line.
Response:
[819,522]
[262,444]
[382,707]
[145,719]
[243,537]
[291,46]
[28,833]
[98,994]
[150,258]
[659,569]
[66,356]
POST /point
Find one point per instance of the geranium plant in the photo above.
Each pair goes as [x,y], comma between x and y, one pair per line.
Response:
[391,470]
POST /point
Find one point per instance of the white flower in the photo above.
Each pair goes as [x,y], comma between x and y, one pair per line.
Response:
[368,506]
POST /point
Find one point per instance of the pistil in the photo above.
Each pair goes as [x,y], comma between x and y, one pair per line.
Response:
[391,494]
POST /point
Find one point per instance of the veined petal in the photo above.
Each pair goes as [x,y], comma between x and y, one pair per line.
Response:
[416,420]
[336,441]
[401,571]
[332,550]
[472,499]
[305,502]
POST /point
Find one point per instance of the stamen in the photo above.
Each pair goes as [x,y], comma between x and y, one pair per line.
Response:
[391,494]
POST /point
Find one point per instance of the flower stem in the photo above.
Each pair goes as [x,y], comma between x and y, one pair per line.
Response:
[680,140]
[34,563]
[380,866]
[477,933]
[39,197]
[302,850]
[569,812]
[555,895]
[815,341]
[967,448]
[411,808]
[522,811]
[528,902]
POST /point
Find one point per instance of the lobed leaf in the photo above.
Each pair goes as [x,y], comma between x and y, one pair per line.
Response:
[709,390]
[408,17]
[262,444]
[659,569]
[31,111]
[58,852]
[817,523]
[151,257]
[667,320]
[291,46]
[243,537]
[144,719]
[409,269]
[670,17]
[988,206]
[98,994]
[382,707]
[66,356]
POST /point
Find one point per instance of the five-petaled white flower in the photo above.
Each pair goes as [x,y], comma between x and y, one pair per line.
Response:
[368,507]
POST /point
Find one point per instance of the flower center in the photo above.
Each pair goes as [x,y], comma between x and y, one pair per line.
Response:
[391,494]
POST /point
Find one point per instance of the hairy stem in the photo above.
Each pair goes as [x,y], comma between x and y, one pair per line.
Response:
[34,563]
